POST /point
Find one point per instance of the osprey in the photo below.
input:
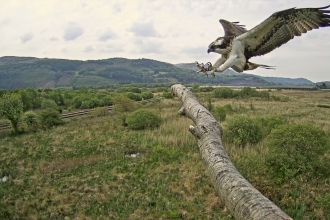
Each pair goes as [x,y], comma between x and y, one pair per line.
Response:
[239,45]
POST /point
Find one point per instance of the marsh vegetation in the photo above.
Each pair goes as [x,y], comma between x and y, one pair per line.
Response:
[82,169]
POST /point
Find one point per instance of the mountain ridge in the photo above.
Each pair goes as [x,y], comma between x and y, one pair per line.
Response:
[23,72]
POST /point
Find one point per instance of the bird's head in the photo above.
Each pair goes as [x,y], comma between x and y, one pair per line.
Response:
[218,45]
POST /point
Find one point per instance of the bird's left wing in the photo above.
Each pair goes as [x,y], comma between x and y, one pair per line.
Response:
[232,28]
[281,27]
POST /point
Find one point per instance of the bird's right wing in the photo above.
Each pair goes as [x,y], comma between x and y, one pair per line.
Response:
[281,27]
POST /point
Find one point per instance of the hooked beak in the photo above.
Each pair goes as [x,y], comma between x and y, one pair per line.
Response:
[209,50]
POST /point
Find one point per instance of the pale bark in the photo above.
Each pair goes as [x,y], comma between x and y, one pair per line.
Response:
[238,195]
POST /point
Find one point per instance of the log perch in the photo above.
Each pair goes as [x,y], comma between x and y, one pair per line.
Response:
[238,195]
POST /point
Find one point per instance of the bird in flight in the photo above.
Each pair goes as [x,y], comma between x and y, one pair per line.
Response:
[239,45]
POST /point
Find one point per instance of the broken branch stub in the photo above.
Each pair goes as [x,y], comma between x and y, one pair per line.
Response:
[239,196]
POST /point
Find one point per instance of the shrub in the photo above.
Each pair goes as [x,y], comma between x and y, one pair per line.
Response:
[223,92]
[167,95]
[220,113]
[134,96]
[135,90]
[123,104]
[11,106]
[206,89]
[248,92]
[30,121]
[50,117]
[147,95]
[142,119]
[229,109]
[242,130]
[48,103]
[298,149]
[270,123]
[107,100]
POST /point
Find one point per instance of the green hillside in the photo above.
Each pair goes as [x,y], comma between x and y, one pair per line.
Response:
[23,72]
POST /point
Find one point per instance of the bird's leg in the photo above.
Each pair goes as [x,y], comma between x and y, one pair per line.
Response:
[213,67]
[229,62]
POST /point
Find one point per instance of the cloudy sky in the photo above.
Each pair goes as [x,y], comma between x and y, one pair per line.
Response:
[174,31]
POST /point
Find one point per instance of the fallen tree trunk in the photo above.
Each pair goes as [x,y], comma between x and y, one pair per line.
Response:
[238,195]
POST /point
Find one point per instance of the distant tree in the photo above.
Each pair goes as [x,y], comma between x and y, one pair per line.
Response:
[48,103]
[134,96]
[30,121]
[2,92]
[135,90]
[147,95]
[123,104]
[11,106]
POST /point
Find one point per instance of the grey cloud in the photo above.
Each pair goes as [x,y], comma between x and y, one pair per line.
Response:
[117,8]
[53,39]
[107,35]
[72,31]
[88,49]
[143,30]
[26,37]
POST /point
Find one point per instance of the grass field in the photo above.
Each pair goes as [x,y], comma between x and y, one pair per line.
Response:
[86,168]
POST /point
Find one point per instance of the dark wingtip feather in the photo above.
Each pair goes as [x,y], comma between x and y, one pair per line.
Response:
[324,7]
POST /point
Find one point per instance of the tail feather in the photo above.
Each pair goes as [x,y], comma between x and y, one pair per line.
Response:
[252,66]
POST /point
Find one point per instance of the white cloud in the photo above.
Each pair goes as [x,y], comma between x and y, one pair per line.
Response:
[72,31]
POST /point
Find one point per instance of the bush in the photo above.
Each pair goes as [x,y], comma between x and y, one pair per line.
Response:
[220,113]
[134,96]
[223,92]
[242,130]
[229,108]
[147,95]
[123,104]
[50,117]
[206,89]
[298,149]
[270,123]
[30,121]
[142,119]
[48,103]
[248,92]
[167,95]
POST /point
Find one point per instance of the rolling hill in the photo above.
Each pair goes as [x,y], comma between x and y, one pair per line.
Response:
[23,72]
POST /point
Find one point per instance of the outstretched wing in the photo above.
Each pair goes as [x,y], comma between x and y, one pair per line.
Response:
[232,28]
[281,27]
